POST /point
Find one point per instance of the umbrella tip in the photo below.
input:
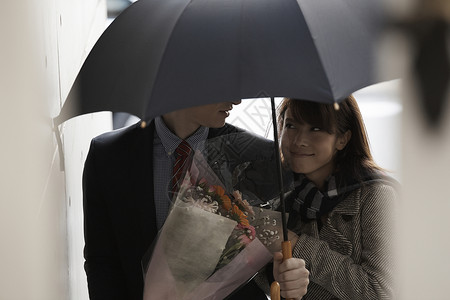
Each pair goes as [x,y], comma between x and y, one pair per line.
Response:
[143,124]
[336,106]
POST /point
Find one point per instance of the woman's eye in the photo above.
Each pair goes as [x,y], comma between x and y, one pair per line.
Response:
[289,125]
[316,129]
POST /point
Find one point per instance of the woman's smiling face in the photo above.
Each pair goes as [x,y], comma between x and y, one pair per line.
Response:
[309,149]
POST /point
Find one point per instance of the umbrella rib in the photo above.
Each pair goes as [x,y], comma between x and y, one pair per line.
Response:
[317,49]
[145,108]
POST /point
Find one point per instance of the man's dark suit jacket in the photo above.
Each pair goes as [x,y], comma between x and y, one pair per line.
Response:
[119,210]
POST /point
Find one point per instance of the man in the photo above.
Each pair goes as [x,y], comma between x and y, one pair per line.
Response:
[125,189]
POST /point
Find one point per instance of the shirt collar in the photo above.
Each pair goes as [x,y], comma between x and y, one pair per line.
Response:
[170,141]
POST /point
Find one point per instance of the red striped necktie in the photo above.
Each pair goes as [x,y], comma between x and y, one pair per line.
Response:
[182,153]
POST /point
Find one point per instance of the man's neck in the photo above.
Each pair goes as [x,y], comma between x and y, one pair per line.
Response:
[180,124]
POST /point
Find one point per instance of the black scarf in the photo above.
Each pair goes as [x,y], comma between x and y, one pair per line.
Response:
[311,204]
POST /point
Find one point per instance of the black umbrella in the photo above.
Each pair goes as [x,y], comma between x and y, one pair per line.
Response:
[162,55]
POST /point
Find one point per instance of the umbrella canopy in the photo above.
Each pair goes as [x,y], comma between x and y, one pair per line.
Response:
[163,55]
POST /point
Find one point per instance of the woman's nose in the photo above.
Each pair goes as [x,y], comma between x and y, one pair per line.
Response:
[236,102]
[300,139]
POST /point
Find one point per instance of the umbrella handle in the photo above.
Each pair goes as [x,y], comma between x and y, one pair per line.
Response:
[286,249]
[275,291]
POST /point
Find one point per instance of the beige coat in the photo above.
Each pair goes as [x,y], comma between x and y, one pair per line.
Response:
[351,257]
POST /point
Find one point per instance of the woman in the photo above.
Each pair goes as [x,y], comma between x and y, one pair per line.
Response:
[340,207]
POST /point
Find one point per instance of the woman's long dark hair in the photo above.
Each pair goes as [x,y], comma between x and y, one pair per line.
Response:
[355,159]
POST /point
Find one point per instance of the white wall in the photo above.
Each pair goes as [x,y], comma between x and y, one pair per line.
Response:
[32,231]
[43,44]
[80,24]
[77,134]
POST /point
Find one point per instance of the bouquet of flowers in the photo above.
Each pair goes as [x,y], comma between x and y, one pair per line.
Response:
[210,243]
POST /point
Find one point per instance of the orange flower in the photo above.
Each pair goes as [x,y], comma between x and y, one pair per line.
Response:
[226,202]
[219,190]
[239,216]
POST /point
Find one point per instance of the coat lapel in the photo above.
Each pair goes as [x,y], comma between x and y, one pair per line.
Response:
[348,206]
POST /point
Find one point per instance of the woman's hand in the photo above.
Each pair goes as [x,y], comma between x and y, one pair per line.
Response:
[292,276]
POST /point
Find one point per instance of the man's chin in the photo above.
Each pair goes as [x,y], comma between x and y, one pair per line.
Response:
[218,125]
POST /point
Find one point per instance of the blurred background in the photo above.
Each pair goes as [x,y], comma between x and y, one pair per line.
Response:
[44,44]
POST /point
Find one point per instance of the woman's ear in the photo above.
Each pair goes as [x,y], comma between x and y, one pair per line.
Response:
[343,139]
